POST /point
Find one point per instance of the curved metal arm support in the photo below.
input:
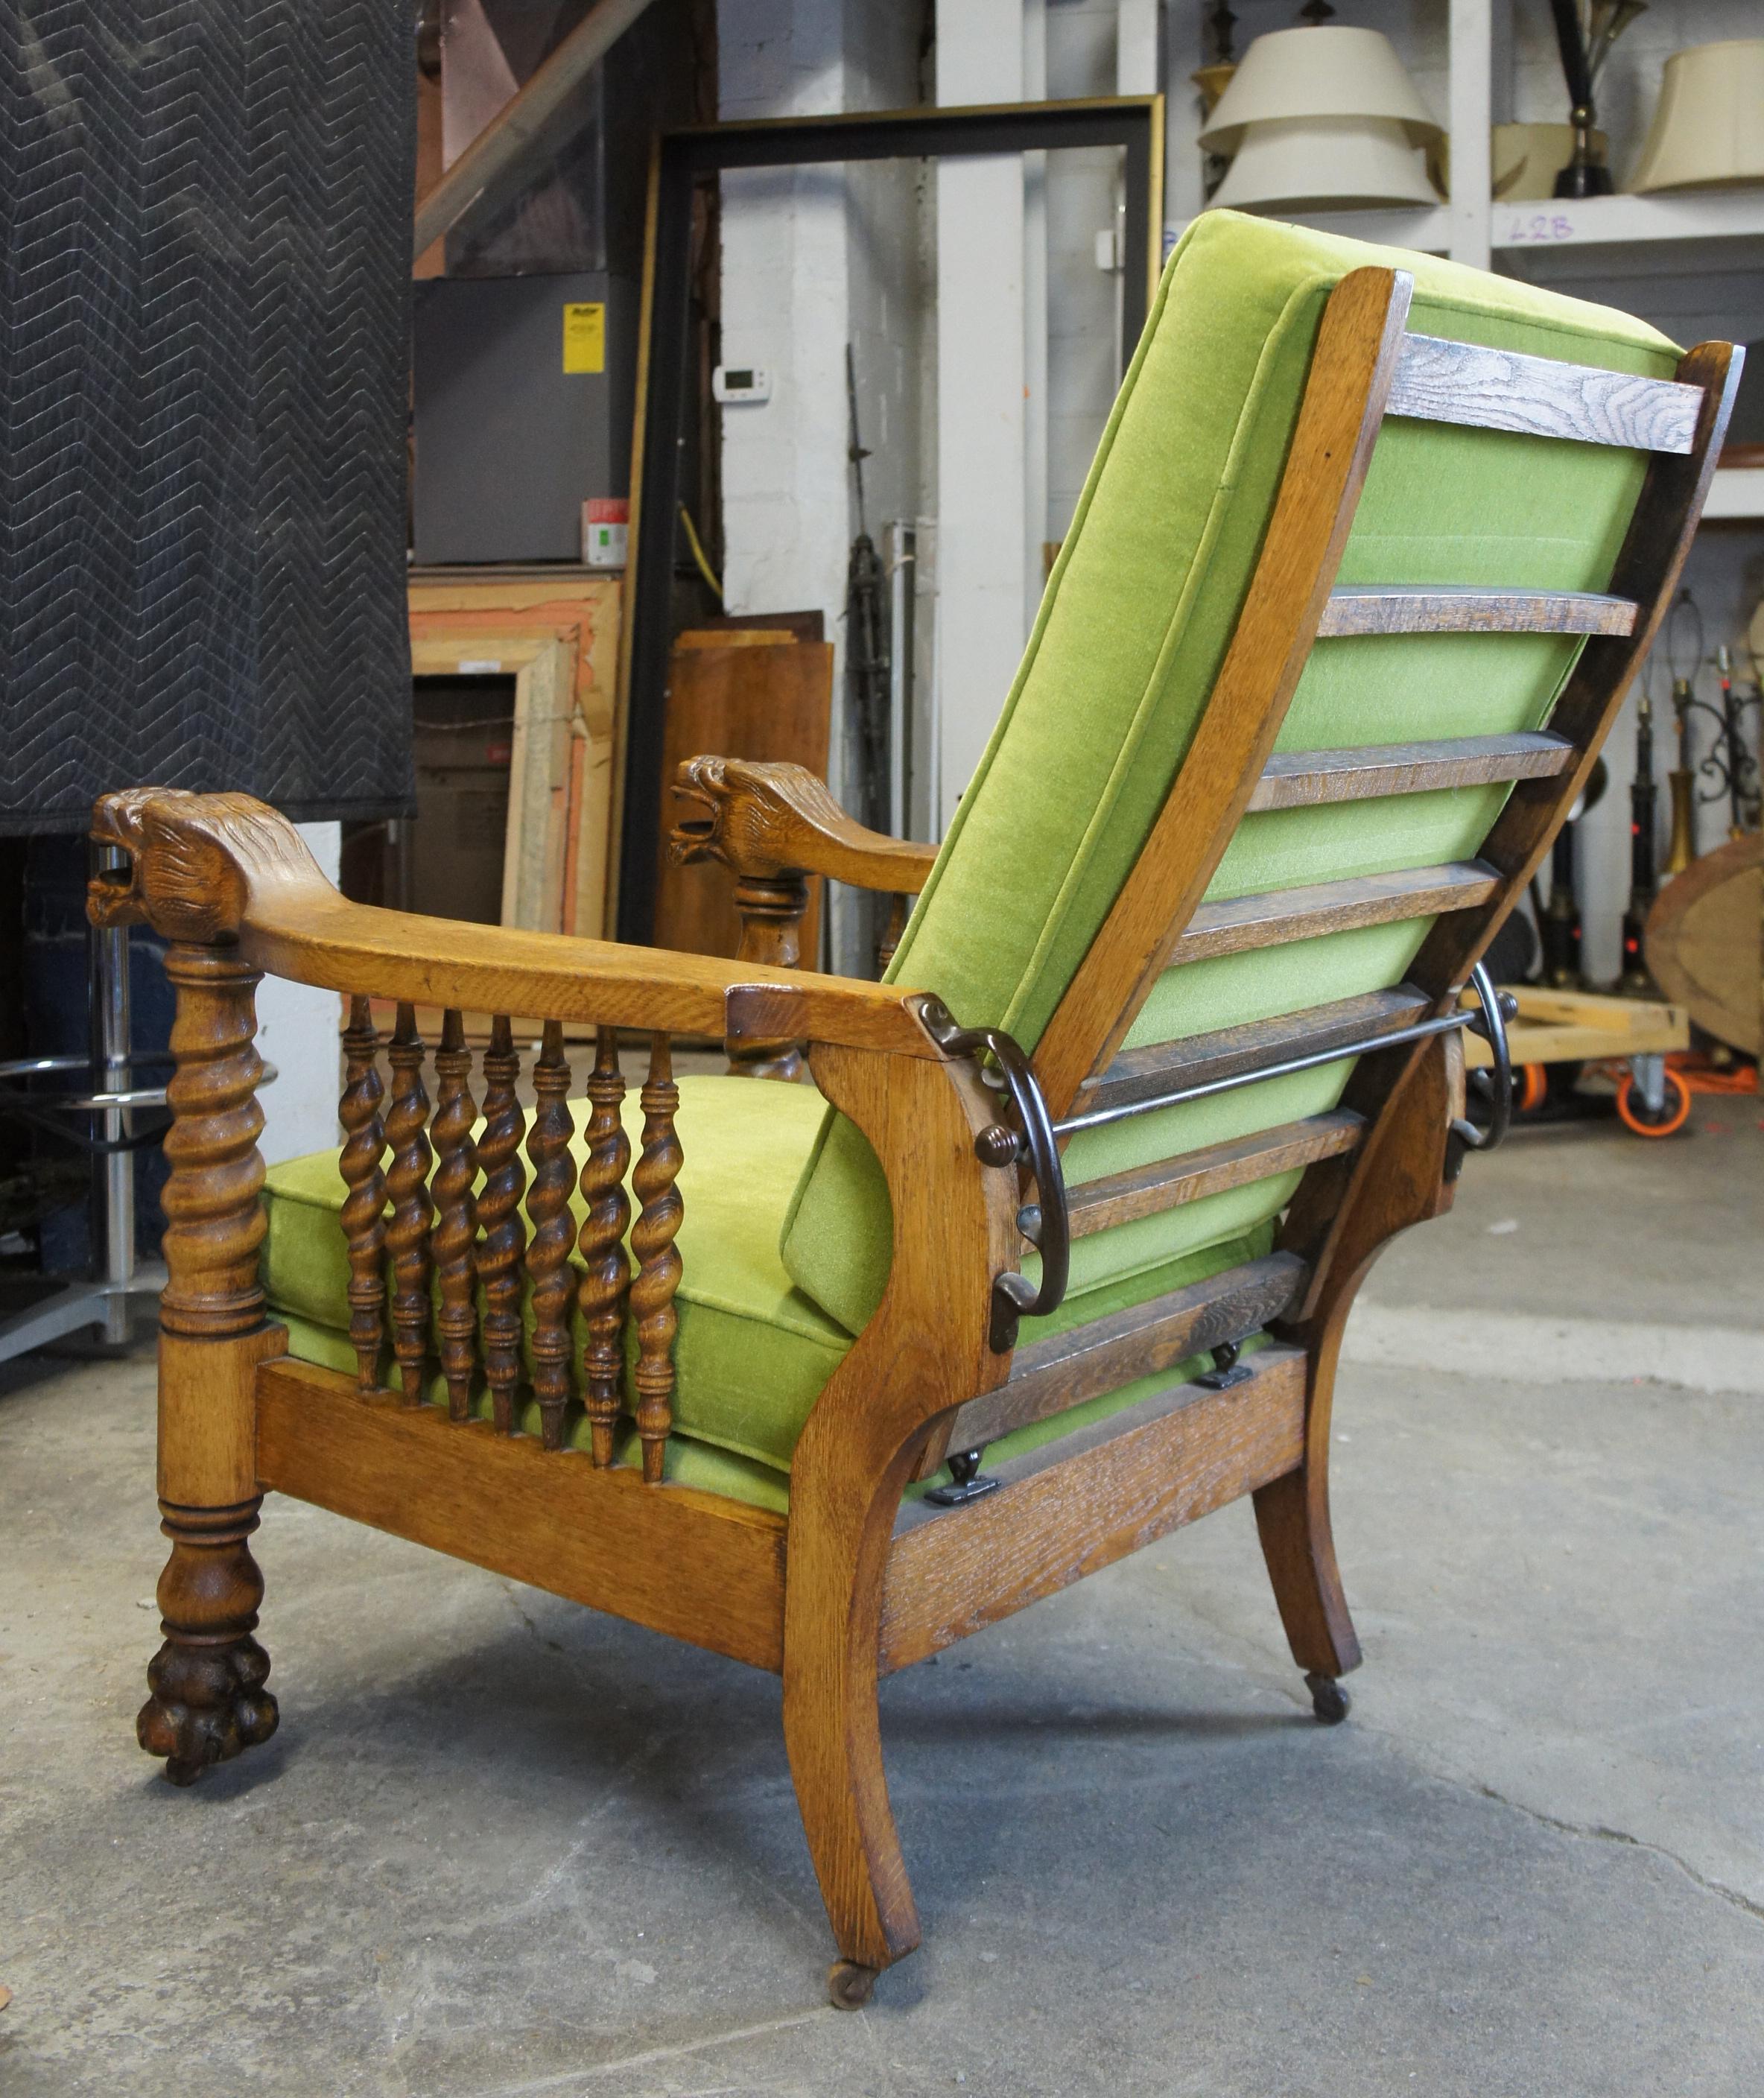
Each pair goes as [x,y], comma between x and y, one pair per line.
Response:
[1033,1142]
[1496,1086]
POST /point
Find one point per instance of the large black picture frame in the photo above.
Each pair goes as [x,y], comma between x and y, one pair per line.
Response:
[680,160]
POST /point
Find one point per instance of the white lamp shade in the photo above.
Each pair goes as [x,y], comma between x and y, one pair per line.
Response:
[1319,162]
[1312,72]
[1709,126]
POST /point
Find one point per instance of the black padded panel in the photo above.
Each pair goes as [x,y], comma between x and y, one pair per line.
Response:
[204,237]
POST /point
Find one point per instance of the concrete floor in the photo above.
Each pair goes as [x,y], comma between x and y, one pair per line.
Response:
[502,1846]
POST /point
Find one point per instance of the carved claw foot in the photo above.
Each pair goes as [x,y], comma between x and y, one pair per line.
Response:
[1328,1699]
[848,1984]
[208,1701]
[207,1705]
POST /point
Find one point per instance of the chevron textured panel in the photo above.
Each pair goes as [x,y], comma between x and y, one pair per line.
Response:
[204,265]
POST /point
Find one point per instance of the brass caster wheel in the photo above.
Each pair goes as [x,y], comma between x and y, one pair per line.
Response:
[848,1984]
[1328,1699]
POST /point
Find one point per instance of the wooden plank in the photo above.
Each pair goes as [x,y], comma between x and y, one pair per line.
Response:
[1226,1052]
[1049,1376]
[1655,1030]
[1276,917]
[1301,779]
[1498,389]
[539,775]
[1079,1504]
[1702,941]
[1578,1008]
[1390,608]
[1147,1191]
[727,637]
[694,1566]
[736,696]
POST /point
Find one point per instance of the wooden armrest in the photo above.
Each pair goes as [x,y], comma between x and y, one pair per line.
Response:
[763,820]
[226,869]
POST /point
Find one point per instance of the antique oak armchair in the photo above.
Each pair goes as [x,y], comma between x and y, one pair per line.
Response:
[1056,1251]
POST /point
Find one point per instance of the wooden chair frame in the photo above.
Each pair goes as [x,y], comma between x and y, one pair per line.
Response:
[853,1582]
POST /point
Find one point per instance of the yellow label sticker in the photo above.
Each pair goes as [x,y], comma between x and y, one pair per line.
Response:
[585,337]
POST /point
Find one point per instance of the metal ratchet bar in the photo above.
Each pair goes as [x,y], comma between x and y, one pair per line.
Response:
[1100,1117]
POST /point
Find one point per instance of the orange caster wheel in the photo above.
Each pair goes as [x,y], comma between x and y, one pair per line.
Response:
[1533,1084]
[1666,1120]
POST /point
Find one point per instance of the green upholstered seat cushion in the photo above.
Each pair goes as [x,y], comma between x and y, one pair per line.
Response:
[1132,630]
[752,1354]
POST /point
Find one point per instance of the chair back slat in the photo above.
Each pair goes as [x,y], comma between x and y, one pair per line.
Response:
[1281,916]
[1147,1191]
[1497,389]
[1304,778]
[1047,1376]
[1225,1053]
[1391,608]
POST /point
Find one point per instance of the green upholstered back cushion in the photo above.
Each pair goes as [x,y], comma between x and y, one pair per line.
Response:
[1135,623]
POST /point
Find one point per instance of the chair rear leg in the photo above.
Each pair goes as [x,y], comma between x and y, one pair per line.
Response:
[1292,1521]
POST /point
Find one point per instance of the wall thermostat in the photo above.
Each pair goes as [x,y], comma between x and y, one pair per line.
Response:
[735,383]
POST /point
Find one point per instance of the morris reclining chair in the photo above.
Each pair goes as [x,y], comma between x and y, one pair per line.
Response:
[1056,1251]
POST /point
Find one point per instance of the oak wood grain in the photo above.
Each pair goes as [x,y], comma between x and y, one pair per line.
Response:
[1303,779]
[364,1207]
[1049,1376]
[1467,383]
[926,1350]
[413,1208]
[1331,449]
[226,866]
[697,1566]
[1227,1052]
[1276,917]
[1647,567]
[1390,608]
[751,703]
[1344,1214]
[763,819]
[655,1182]
[1065,1511]
[206,1698]
[456,1213]
[551,1234]
[214,1221]
[605,1267]
[1166,1184]
[502,1244]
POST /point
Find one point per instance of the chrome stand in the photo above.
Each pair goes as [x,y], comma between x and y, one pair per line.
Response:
[103,1302]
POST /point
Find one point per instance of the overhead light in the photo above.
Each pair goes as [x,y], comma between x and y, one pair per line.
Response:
[1709,129]
[1322,116]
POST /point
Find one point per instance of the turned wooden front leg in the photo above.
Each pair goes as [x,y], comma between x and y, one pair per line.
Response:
[208,1697]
